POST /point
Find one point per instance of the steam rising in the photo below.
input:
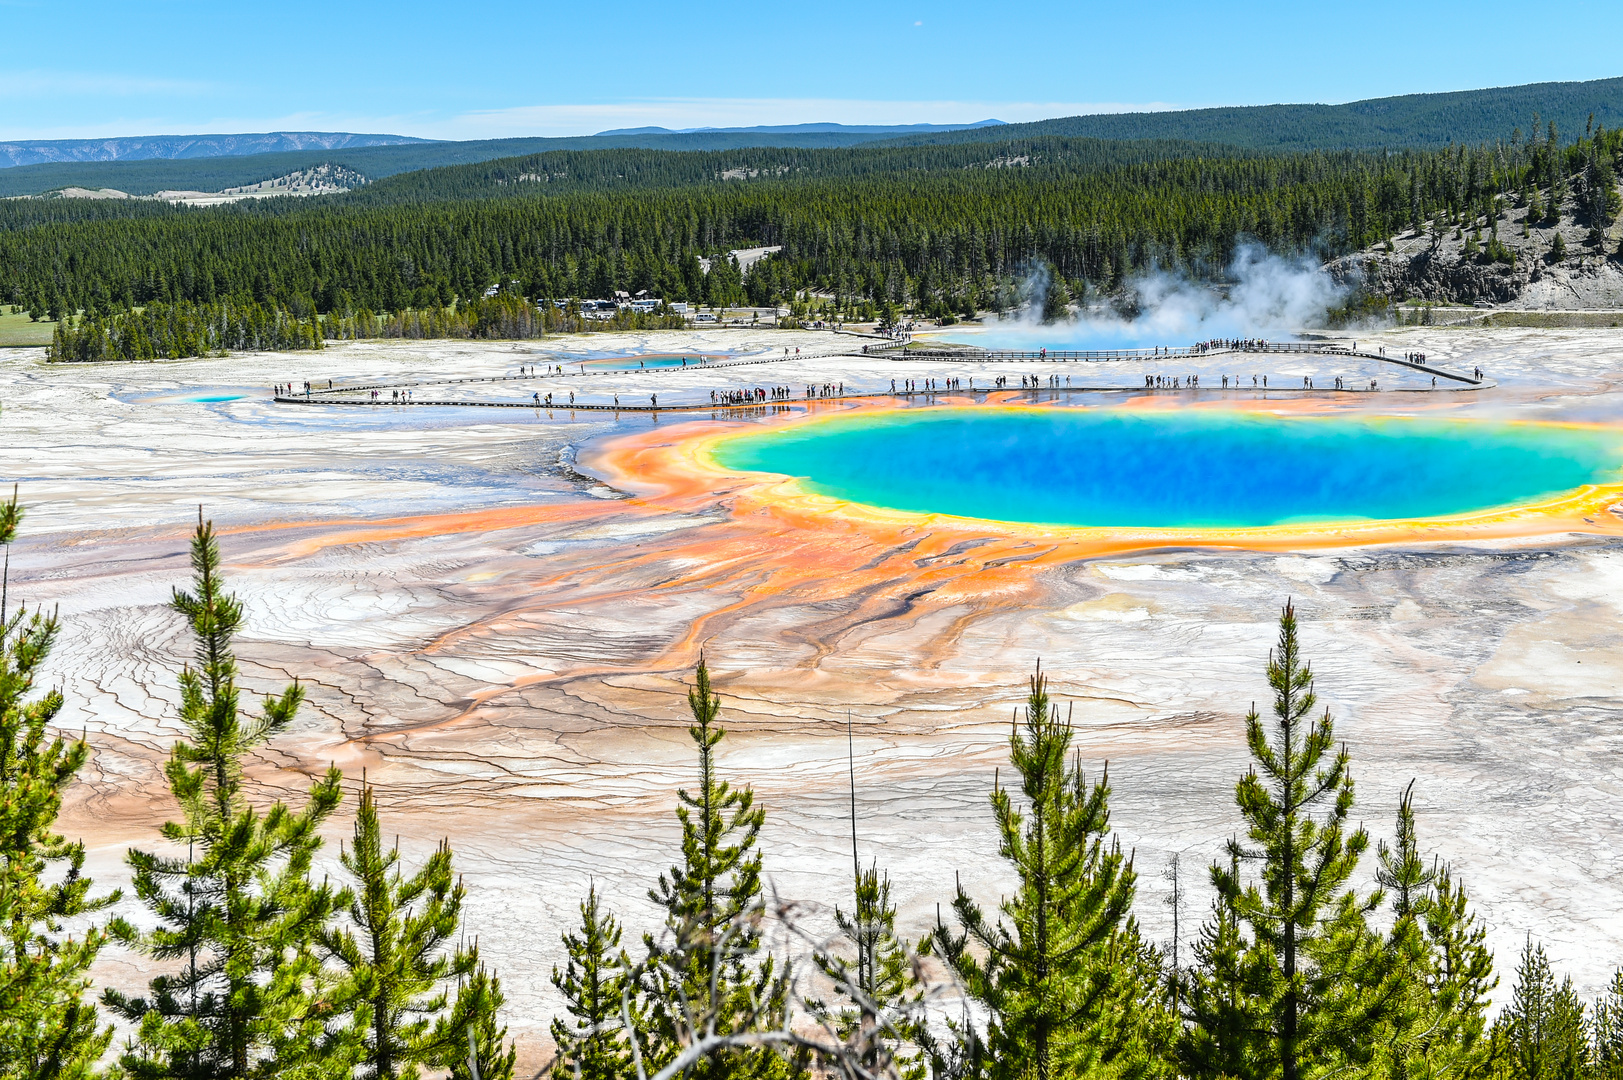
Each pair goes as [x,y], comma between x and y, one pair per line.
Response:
[1270,297]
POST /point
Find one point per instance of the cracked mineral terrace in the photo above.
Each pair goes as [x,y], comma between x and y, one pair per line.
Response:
[499,633]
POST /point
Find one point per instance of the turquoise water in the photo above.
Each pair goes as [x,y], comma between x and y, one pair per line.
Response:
[637,363]
[218,397]
[1104,467]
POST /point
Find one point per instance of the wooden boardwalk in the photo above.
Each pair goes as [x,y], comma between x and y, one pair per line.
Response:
[1096,356]
[330,396]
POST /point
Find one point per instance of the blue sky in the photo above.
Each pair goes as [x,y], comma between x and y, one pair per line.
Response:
[76,68]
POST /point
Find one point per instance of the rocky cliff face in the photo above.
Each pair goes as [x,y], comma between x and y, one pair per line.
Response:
[1444,264]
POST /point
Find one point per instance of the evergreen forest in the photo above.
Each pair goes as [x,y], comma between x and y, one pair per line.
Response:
[943,231]
[1326,952]
[1407,122]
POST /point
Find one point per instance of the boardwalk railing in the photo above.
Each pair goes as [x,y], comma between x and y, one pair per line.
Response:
[580,372]
[1168,352]
[325,396]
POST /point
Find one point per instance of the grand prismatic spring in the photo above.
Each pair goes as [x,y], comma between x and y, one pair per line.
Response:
[1202,469]
[496,611]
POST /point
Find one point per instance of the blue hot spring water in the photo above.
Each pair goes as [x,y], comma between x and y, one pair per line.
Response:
[639,363]
[1212,469]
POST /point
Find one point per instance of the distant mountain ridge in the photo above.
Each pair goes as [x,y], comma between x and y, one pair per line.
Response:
[1416,121]
[150,175]
[175,147]
[1389,123]
[806,129]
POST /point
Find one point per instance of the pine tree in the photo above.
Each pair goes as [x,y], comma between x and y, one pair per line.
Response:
[596,988]
[472,1040]
[1434,1024]
[706,976]
[1067,985]
[1606,1032]
[1403,1037]
[1460,980]
[1226,1020]
[47,1029]
[1295,947]
[1403,871]
[1056,297]
[1597,197]
[1462,976]
[1557,174]
[238,912]
[396,970]
[1541,1034]
[876,979]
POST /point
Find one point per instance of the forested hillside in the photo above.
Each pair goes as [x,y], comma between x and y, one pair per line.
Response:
[1422,121]
[560,171]
[933,229]
[900,238]
[1413,121]
[213,174]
